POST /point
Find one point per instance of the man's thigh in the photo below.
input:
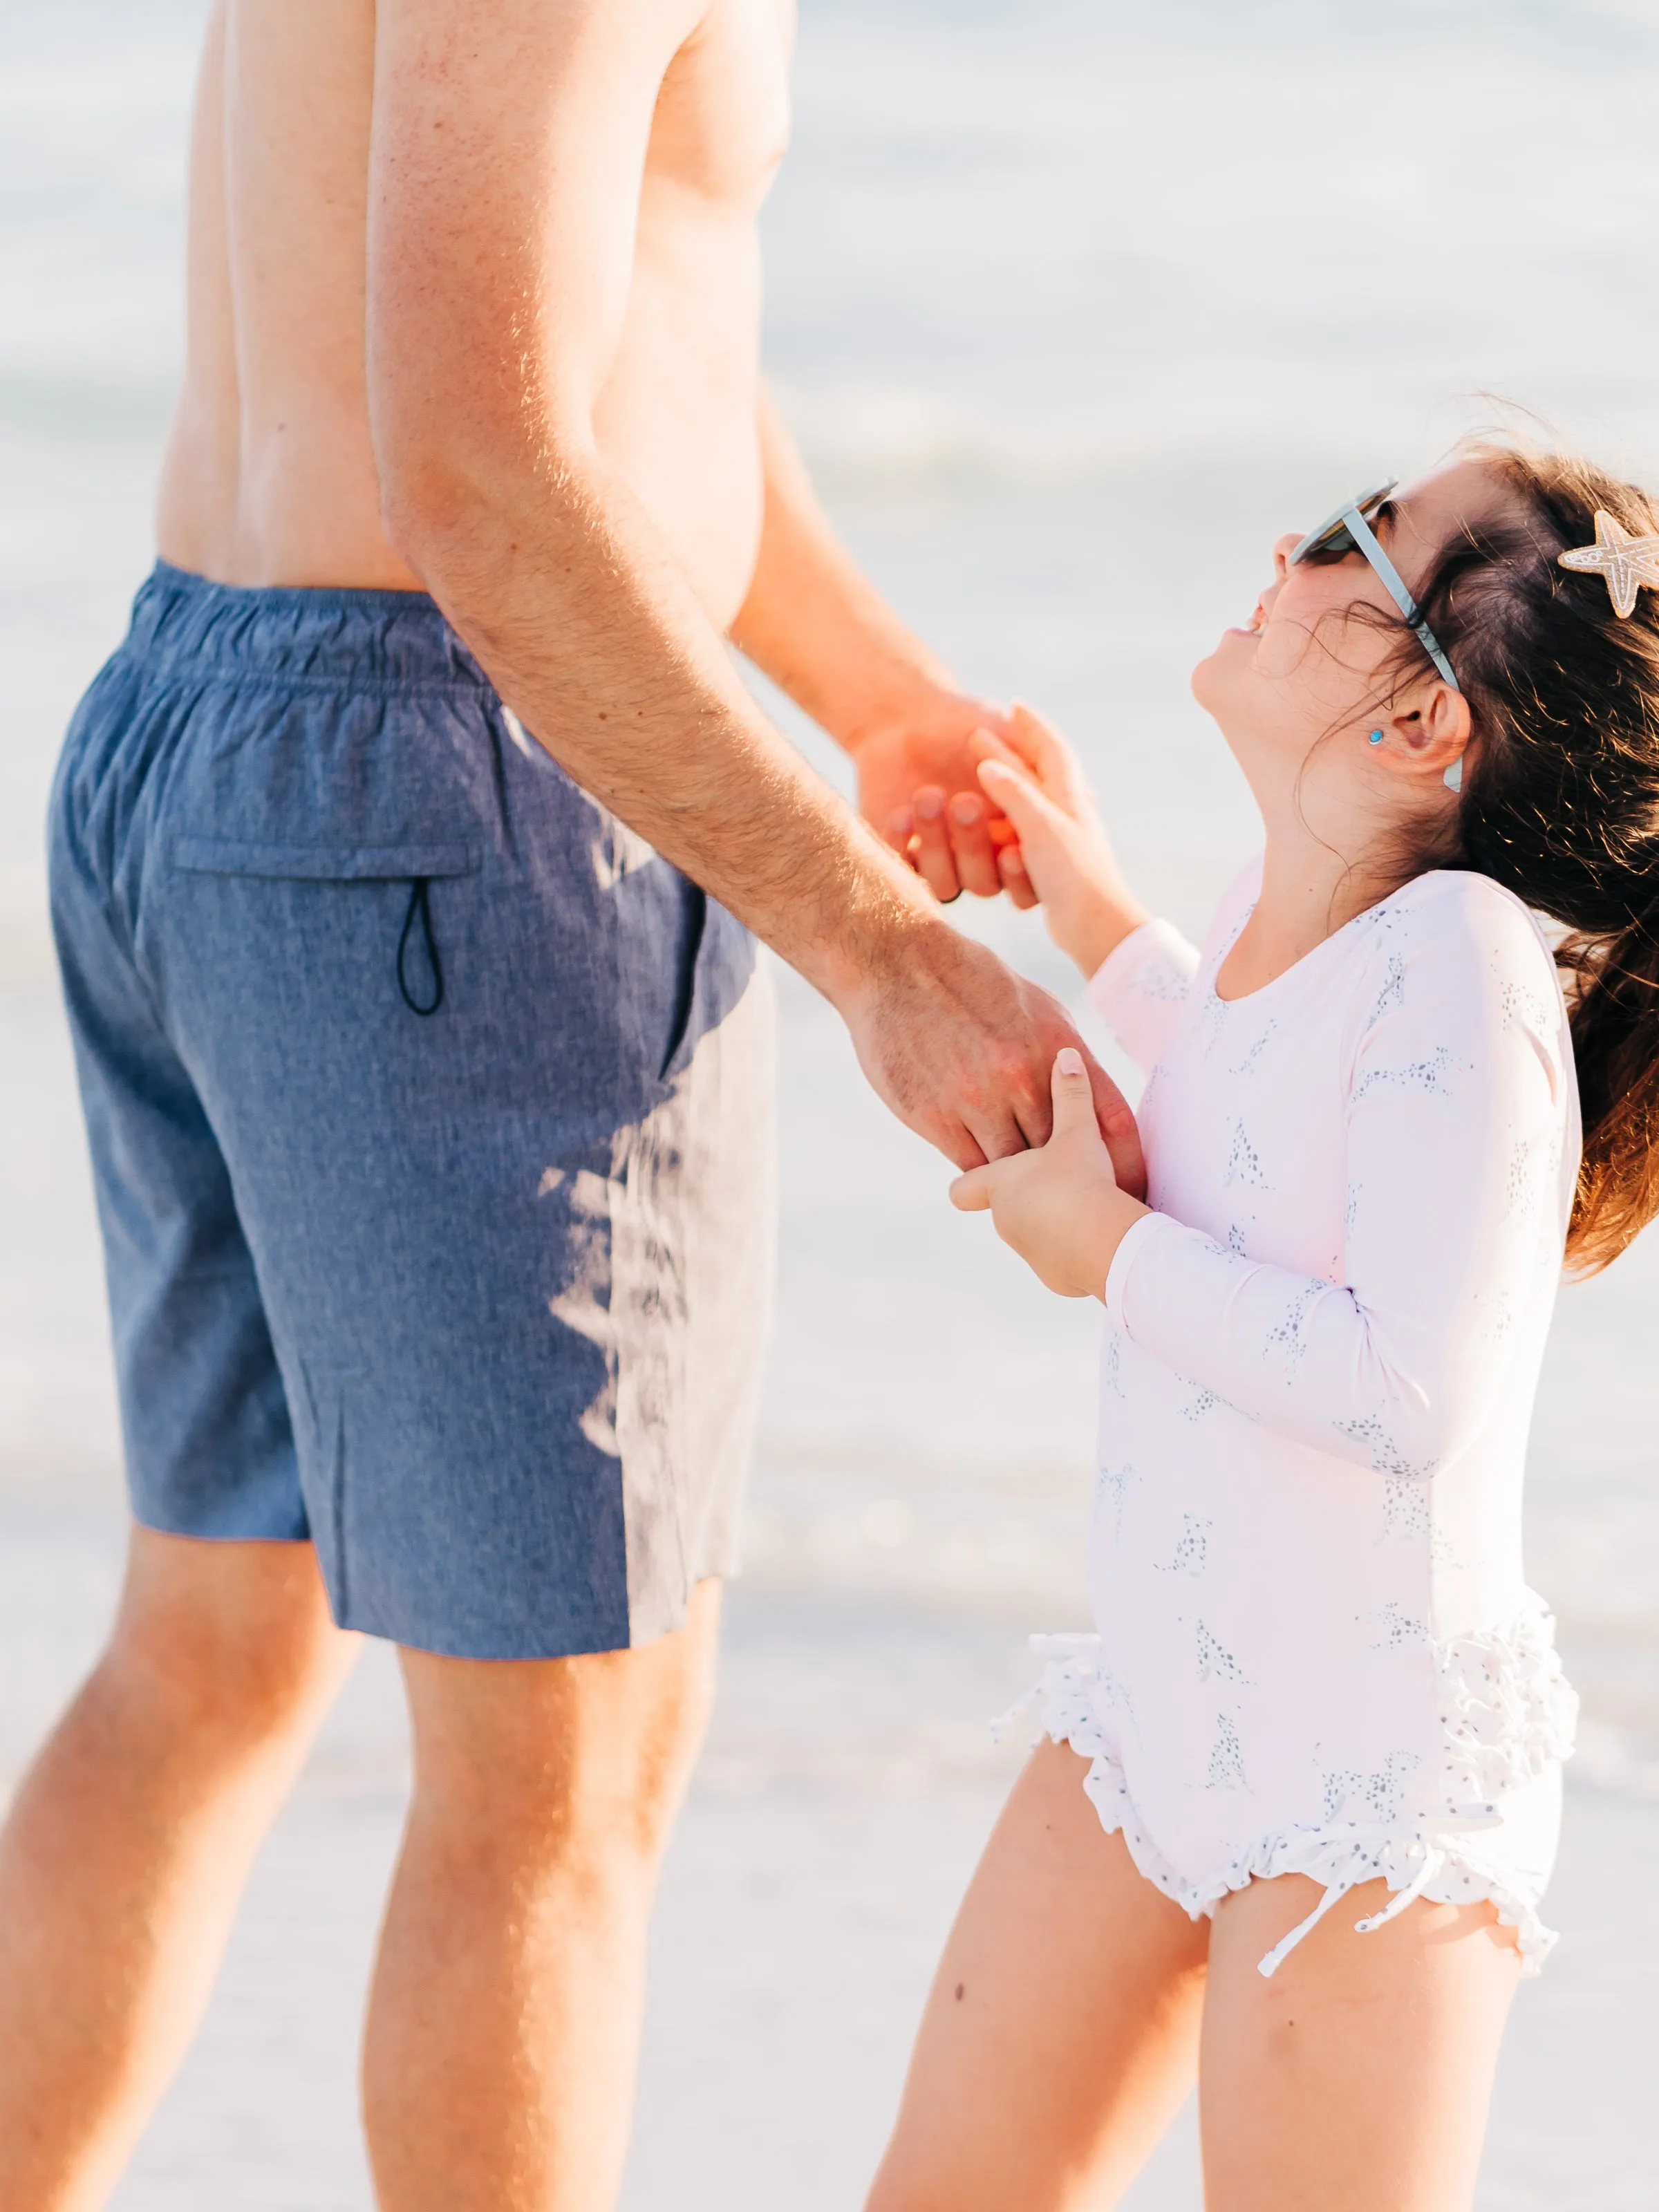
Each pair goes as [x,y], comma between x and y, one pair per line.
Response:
[486,1087]
[515,1264]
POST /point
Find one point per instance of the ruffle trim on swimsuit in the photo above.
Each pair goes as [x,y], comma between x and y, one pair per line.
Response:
[1509,1714]
[1509,1710]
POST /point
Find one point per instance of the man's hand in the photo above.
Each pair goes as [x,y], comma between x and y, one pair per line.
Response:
[918,786]
[823,634]
[961,1048]
[1061,1207]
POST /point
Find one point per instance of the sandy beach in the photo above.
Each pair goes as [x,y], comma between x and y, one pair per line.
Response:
[1061,391]
[850,1778]
[847,1786]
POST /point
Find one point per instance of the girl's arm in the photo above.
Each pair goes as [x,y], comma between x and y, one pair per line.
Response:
[1457,1183]
[1139,969]
[1063,851]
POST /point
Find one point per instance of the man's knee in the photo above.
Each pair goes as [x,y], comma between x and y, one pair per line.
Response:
[230,1640]
[576,1762]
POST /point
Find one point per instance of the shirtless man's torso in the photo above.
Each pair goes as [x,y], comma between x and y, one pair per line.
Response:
[271,473]
[404,858]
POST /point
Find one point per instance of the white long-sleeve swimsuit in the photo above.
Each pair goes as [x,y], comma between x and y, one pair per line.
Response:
[1317,1652]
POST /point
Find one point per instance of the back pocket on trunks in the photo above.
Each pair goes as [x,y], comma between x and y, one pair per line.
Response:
[417,963]
[323,864]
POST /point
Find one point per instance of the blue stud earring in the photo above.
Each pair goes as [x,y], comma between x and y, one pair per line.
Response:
[1375,737]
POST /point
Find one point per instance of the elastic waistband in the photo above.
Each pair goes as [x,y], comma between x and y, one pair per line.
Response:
[299,636]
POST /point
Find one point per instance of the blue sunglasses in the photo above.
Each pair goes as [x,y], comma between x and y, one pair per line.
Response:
[1349,531]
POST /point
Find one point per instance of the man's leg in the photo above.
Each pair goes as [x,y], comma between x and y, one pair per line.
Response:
[505,2017]
[129,1839]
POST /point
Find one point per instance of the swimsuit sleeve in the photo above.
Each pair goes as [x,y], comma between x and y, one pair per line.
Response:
[1458,1132]
[1140,989]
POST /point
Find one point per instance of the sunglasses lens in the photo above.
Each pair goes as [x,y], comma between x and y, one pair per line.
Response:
[1334,543]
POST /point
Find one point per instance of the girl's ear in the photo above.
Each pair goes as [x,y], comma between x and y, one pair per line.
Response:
[1432,735]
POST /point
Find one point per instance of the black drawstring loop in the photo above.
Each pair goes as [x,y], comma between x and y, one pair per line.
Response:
[420,903]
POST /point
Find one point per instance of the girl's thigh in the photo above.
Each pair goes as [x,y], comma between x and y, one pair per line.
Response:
[1360,2073]
[1061,2031]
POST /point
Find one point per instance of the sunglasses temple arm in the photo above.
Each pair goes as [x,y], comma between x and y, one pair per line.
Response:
[1366,538]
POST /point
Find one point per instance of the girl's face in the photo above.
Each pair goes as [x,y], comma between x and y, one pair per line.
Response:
[1303,677]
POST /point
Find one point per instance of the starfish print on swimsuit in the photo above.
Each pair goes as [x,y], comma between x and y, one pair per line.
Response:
[1379,1791]
[1236,1241]
[1243,1162]
[1351,1210]
[1522,1190]
[1405,1515]
[1400,1628]
[1112,1372]
[1192,1547]
[1428,1076]
[1291,1328]
[1158,978]
[1392,993]
[1247,1065]
[1378,921]
[1205,1401]
[1215,1663]
[1115,1482]
[1385,1455]
[1227,1757]
[1524,1009]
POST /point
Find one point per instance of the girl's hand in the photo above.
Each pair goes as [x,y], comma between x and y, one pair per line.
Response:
[1060,1206]
[1033,776]
[916,786]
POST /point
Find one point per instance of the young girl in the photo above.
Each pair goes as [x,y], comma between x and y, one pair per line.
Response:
[1295,1820]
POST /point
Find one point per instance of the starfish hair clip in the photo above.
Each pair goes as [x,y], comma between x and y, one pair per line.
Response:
[1624,564]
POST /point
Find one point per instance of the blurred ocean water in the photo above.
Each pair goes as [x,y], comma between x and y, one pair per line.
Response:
[1075,305]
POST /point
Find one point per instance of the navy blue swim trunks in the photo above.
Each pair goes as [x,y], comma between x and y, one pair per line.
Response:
[431,1121]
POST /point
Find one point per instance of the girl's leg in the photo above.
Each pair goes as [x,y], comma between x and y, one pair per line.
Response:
[1359,2075]
[1061,2031]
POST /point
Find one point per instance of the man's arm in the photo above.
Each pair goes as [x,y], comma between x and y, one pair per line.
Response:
[507,153]
[820,630]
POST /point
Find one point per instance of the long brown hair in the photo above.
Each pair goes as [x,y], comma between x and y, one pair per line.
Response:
[1561,797]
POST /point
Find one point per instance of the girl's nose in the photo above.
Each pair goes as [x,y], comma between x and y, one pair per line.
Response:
[1283,549]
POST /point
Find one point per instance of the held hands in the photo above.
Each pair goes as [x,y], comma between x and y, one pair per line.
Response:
[1030,771]
[1030,828]
[962,1049]
[1059,1206]
[918,786]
